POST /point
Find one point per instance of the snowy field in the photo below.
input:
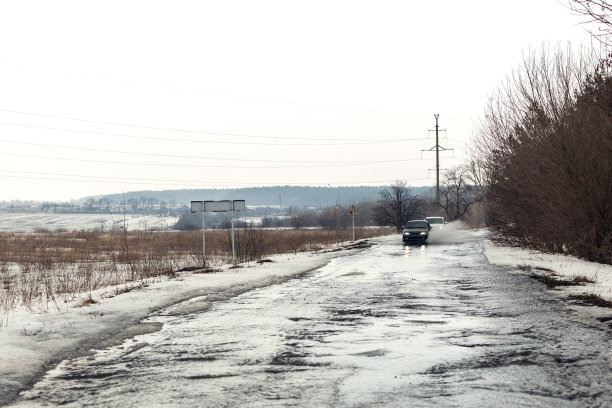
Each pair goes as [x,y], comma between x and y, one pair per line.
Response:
[30,222]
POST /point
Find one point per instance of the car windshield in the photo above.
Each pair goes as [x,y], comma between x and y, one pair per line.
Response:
[435,220]
[417,224]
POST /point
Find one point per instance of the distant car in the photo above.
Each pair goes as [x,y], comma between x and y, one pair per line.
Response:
[416,231]
[436,222]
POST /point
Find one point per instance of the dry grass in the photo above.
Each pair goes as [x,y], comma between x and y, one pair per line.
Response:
[591,299]
[553,282]
[44,270]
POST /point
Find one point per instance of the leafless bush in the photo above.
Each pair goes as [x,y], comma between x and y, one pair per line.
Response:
[302,218]
[250,244]
[546,146]
[333,217]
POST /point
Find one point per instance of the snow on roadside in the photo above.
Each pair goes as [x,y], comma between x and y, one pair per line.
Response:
[34,342]
[564,268]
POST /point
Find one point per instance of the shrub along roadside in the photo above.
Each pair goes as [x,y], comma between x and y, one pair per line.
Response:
[546,147]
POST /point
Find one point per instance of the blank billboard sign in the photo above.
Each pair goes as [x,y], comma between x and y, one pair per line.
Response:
[239,205]
[196,206]
[218,206]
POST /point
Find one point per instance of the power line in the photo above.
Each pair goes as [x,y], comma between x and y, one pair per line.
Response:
[205,166]
[89,181]
[196,157]
[135,180]
[217,183]
[230,142]
[244,135]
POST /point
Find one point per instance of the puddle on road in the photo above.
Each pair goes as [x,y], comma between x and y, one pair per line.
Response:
[351,274]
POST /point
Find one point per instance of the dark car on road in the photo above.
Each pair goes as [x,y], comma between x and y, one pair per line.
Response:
[416,231]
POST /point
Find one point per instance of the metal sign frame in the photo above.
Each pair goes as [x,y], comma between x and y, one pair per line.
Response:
[217,206]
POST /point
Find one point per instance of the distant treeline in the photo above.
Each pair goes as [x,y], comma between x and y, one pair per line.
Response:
[261,201]
[276,196]
[333,217]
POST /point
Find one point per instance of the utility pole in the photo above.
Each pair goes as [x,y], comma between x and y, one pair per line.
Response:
[437,115]
[437,147]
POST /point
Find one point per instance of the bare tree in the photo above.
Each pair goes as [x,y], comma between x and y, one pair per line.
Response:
[397,205]
[598,12]
[461,188]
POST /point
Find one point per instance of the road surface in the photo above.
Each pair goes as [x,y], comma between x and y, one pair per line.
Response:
[397,326]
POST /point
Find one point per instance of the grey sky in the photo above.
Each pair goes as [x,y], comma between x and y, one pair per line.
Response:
[101,97]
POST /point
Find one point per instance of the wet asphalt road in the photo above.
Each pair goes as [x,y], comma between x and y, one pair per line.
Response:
[392,326]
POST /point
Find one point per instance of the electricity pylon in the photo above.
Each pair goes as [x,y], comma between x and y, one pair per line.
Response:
[437,147]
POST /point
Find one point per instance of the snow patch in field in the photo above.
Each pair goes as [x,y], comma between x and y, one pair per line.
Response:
[31,222]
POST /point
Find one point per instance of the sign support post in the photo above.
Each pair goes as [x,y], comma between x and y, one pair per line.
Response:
[353,227]
[233,251]
[203,242]
[353,213]
[217,206]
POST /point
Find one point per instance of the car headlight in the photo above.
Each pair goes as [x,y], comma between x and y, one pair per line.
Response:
[406,233]
[424,233]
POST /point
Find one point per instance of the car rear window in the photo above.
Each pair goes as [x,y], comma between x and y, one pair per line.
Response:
[435,220]
[417,224]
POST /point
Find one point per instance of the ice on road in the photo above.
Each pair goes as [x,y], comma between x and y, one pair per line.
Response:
[433,325]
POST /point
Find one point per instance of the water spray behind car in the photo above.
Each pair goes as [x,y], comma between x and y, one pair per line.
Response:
[454,232]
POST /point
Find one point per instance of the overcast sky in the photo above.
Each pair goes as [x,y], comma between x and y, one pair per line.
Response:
[115,96]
